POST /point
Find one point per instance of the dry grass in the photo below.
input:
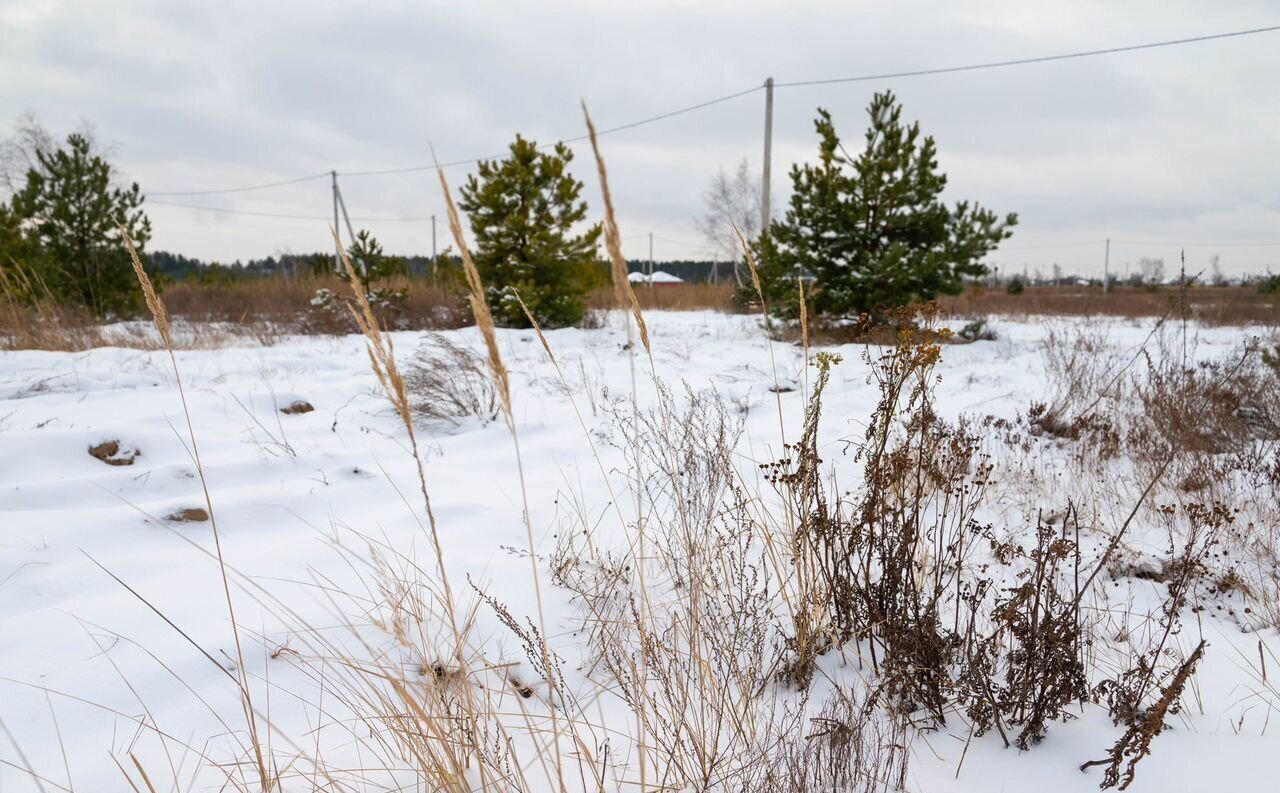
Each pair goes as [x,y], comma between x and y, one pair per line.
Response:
[1230,305]
[448,381]
[256,742]
[263,310]
[287,303]
[673,297]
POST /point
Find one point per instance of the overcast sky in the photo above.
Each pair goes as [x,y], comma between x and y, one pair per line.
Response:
[1176,145]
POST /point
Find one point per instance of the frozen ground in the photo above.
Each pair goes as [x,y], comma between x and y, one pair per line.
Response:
[83,657]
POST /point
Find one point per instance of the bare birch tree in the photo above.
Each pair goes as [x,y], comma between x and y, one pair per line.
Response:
[732,199]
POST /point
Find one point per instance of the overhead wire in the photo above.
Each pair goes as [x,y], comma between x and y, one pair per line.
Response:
[727,98]
[973,67]
[285,216]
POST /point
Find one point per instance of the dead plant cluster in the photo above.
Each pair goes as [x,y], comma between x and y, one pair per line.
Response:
[449,381]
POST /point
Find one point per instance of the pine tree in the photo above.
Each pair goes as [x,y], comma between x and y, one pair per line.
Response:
[522,211]
[71,210]
[375,268]
[872,230]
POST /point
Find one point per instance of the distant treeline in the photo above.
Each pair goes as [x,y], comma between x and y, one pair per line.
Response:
[176,267]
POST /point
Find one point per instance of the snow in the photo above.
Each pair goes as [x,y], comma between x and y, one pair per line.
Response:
[657,277]
[283,486]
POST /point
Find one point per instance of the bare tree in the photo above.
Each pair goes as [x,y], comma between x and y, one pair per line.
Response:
[731,200]
[1152,270]
[1216,276]
[18,152]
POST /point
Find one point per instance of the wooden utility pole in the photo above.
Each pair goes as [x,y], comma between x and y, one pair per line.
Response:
[351,233]
[1106,268]
[337,252]
[768,155]
[651,258]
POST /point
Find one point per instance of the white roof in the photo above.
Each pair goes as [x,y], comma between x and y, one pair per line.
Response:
[658,277]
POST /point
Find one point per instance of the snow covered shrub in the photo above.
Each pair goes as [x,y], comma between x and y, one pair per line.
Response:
[449,381]
[977,330]
[1149,689]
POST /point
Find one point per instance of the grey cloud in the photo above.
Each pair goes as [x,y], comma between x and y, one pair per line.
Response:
[1165,144]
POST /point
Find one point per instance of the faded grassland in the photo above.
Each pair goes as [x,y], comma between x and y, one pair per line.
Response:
[1226,305]
[265,309]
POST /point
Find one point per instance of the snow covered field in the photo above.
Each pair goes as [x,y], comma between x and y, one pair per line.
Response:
[90,558]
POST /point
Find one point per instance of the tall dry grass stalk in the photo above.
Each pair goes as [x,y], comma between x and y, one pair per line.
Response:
[484,321]
[155,305]
[627,300]
[383,361]
[479,303]
[626,295]
[764,313]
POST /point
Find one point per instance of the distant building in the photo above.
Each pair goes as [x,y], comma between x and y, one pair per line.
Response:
[658,278]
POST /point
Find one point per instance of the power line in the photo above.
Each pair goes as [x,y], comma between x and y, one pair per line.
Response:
[729,97]
[681,243]
[1025,61]
[1164,243]
[472,160]
[244,189]
[1080,244]
[576,139]
[1265,244]
[686,244]
[226,211]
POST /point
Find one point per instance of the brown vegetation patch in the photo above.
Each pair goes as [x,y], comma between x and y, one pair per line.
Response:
[831,334]
[189,515]
[673,297]
[296,407]
[1225,305]
[111,453]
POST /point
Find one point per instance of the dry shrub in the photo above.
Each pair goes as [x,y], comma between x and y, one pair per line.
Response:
[852,746]
[1081,370]
[205,316]
[1031,665]
[449,381]
[891,555]
[1135,743]
[692,650]
[1209,407]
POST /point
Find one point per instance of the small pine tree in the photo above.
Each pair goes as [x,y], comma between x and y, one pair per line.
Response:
[522,211]
[872,230]
[71,211]
[375,268]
